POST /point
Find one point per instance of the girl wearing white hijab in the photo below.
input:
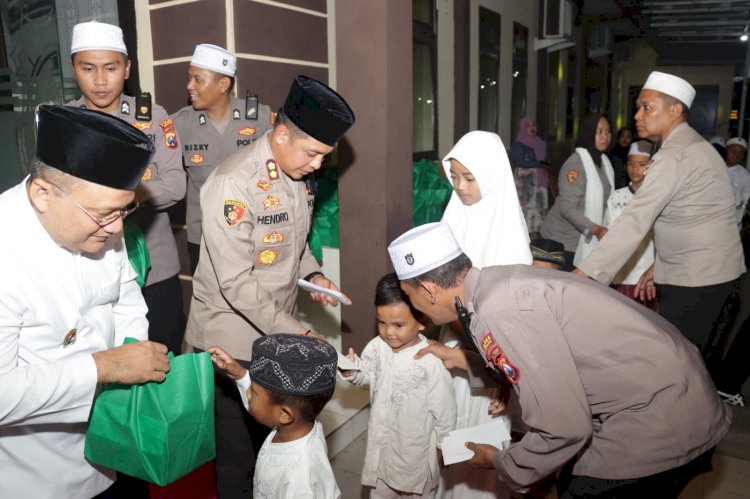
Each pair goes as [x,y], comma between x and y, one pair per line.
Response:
[487,220]
[491,229]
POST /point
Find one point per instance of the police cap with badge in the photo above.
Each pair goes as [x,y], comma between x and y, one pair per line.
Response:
[92,146]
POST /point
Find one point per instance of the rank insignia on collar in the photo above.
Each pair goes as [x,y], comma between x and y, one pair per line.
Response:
[273,170]
[170,133]
[234,211]
[142,125]
[273,237]
[271,202]
[498,359]
[147,174]
[202,119]
[125,108]
[236,115]
[267,257]
[197,159]
[69,338]
[264,185]
[572,176]
[247,131]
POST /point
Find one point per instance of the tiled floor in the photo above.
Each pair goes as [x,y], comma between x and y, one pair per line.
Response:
[729,480]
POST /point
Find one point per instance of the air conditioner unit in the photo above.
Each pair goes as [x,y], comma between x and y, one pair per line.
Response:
[558,18]
[600,41]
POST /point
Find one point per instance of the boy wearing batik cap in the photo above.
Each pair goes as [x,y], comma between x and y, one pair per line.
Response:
[626,280]
[289,380]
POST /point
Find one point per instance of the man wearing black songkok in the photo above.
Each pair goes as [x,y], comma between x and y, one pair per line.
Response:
[68,296]
[257,209]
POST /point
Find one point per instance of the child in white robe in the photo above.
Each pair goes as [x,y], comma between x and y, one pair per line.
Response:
[290,378]
[412,406]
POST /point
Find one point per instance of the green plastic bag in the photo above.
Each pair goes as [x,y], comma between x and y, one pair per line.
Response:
[431,193]
[158,432]
[135,243]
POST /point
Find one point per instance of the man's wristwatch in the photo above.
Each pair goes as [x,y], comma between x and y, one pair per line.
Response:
[309,276]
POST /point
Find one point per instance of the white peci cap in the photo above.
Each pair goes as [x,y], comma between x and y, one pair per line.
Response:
[737,141]
[640,148]
[94,35]
[671,85]
[214,58]
[422,249]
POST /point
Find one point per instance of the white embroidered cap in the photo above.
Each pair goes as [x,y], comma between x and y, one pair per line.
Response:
[94,35]
[640,148]
[214,58]
[738,141]
[671,85]
[422,249]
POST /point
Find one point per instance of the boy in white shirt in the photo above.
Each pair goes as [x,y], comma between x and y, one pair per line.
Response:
[626,280]
[290,379]
[412,404]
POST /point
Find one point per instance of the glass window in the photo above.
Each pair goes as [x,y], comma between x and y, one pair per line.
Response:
[424,65]
[520,72]
[489,69]
[35,68]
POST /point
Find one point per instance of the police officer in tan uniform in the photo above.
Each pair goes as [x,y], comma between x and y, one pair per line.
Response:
[615,396]
[101,66]
[688,198]
[213,127]
[257,208]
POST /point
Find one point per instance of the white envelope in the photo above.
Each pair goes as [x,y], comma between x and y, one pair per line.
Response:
[336,295]
[495,432]
[345,364]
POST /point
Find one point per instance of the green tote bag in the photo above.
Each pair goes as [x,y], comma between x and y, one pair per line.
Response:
[158,432]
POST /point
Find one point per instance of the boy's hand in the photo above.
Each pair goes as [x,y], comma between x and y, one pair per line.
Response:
[226,362]
[351,356]
[482,455]
[496,408]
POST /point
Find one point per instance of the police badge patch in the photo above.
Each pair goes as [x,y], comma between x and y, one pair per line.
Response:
[234,211]
[409,259]
[572,176]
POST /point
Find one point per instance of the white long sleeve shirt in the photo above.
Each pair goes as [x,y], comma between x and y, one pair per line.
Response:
[643,257]
[740,178]
[47,387]
[412,408]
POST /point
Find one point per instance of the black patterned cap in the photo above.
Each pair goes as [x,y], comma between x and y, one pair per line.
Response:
[318,110]
[92,146]
[547,250]
[294,364]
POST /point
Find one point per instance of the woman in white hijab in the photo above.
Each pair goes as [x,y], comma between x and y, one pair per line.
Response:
[487,220]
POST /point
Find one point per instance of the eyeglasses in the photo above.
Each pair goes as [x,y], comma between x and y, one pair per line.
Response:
[104,221]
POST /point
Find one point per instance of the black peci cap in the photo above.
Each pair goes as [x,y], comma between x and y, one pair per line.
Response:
[92,146]
[547,250]
[294,364]
[318,110]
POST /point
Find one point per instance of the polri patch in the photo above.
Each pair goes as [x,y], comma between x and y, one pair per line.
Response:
[264,185]
[572,176]
[267,257]
[271,202]
[273,237]
[170,133]
[273,170]
[142,125]
[247,131]
[197,159]
[497,357]
[234,211]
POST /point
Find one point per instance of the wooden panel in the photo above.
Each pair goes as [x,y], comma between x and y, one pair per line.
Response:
[277,32]
[177,30]
[271,80]
[170,81]
[317,5]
